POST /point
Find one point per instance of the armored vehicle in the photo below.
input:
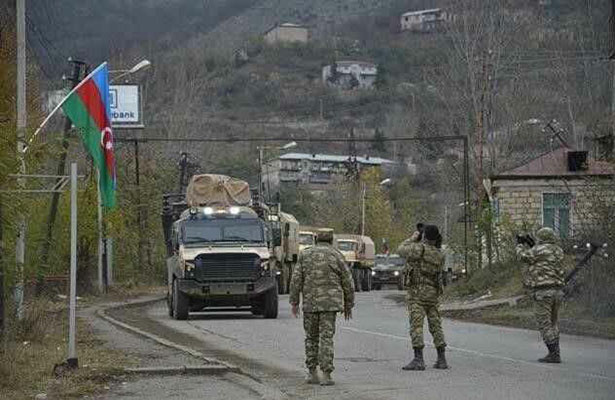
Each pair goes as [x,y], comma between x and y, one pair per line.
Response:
[388,269]
[219,245]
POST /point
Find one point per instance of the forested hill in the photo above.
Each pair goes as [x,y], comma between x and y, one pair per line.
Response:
[100,29]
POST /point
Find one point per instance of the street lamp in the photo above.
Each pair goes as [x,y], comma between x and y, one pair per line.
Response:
[140,66]
[261,150]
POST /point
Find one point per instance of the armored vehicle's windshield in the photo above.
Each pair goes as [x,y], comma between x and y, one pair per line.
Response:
[344,245]
[222,230]
[306,239]
[390,262]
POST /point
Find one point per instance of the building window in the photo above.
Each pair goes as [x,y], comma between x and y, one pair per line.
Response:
[556,212]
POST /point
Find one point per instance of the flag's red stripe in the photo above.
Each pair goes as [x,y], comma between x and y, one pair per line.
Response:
[90,96]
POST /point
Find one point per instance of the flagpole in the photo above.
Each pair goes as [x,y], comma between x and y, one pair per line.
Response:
[52,113]
[100,237]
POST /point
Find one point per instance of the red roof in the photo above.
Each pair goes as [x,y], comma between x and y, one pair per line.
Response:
[555,164]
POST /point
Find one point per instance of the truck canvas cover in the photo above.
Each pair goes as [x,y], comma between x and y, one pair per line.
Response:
[217,190]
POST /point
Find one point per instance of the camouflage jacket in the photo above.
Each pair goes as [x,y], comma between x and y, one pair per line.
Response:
[323,278]
[424,264]
[544,263]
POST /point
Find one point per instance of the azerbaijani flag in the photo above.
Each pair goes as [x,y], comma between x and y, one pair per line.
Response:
[87,106]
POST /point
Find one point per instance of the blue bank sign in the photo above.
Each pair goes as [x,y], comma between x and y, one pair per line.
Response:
[125,104]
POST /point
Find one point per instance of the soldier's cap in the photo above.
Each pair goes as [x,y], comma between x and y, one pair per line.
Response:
[431,232]
[324,235]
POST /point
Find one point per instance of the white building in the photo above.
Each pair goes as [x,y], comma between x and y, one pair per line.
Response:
[315,171]
[350,74]
[423,20]
[286,33]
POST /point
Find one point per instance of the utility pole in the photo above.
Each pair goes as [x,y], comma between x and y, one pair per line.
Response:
[363,193]
[60,170]
[22,121]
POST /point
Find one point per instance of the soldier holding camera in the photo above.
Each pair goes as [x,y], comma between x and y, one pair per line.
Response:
[544,276]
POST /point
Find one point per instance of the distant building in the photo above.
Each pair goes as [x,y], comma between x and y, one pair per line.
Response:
[315,171]
[423,20]
[561,189]
[350,74]
[286,33]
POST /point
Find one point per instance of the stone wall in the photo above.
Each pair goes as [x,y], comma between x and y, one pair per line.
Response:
[521,200]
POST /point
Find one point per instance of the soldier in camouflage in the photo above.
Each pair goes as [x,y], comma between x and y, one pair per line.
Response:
[543,277]
[325,283]
[424,264]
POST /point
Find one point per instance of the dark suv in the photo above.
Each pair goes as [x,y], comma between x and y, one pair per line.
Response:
[388,269]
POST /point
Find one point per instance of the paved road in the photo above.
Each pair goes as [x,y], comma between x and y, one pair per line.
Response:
[487,362]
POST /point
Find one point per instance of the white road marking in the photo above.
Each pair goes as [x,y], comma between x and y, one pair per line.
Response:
[481,354]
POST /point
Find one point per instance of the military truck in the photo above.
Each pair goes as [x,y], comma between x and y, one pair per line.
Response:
[219,244]
[359,252]
[307,236]
[285,255]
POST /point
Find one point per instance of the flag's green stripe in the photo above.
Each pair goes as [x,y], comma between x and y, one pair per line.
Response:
[90,134]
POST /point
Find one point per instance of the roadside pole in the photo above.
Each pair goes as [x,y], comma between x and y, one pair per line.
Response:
[102,287]
[72,321]
[60,170]
[22,120]
[363,193]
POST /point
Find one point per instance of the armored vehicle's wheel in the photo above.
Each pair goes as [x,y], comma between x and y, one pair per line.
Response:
[270,304]
[180,303]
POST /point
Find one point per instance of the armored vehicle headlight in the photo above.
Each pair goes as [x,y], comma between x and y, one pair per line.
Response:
[234,210]
[396,273]
[208,210]
[189,265]
[278,272]
[373,273]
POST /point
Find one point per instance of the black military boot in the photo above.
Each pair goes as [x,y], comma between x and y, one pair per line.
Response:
[553,357]
[441,361]
[418,364]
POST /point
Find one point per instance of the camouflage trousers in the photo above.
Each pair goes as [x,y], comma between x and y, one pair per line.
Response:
[319,330]
[434,321]
[546,311]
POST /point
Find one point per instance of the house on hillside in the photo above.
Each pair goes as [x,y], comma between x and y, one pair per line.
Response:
[350,74]
[562,189]
[286,33]
[316,171]
[423,20]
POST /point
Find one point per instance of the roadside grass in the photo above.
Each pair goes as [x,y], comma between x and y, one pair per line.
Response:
[501,280]
[32,347]
[574,318]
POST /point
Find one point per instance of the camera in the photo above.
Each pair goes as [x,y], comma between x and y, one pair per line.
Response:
[526,239]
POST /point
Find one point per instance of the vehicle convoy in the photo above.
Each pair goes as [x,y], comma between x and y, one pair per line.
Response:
[388,269]
[359,253]
[219,244]
[286,254]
